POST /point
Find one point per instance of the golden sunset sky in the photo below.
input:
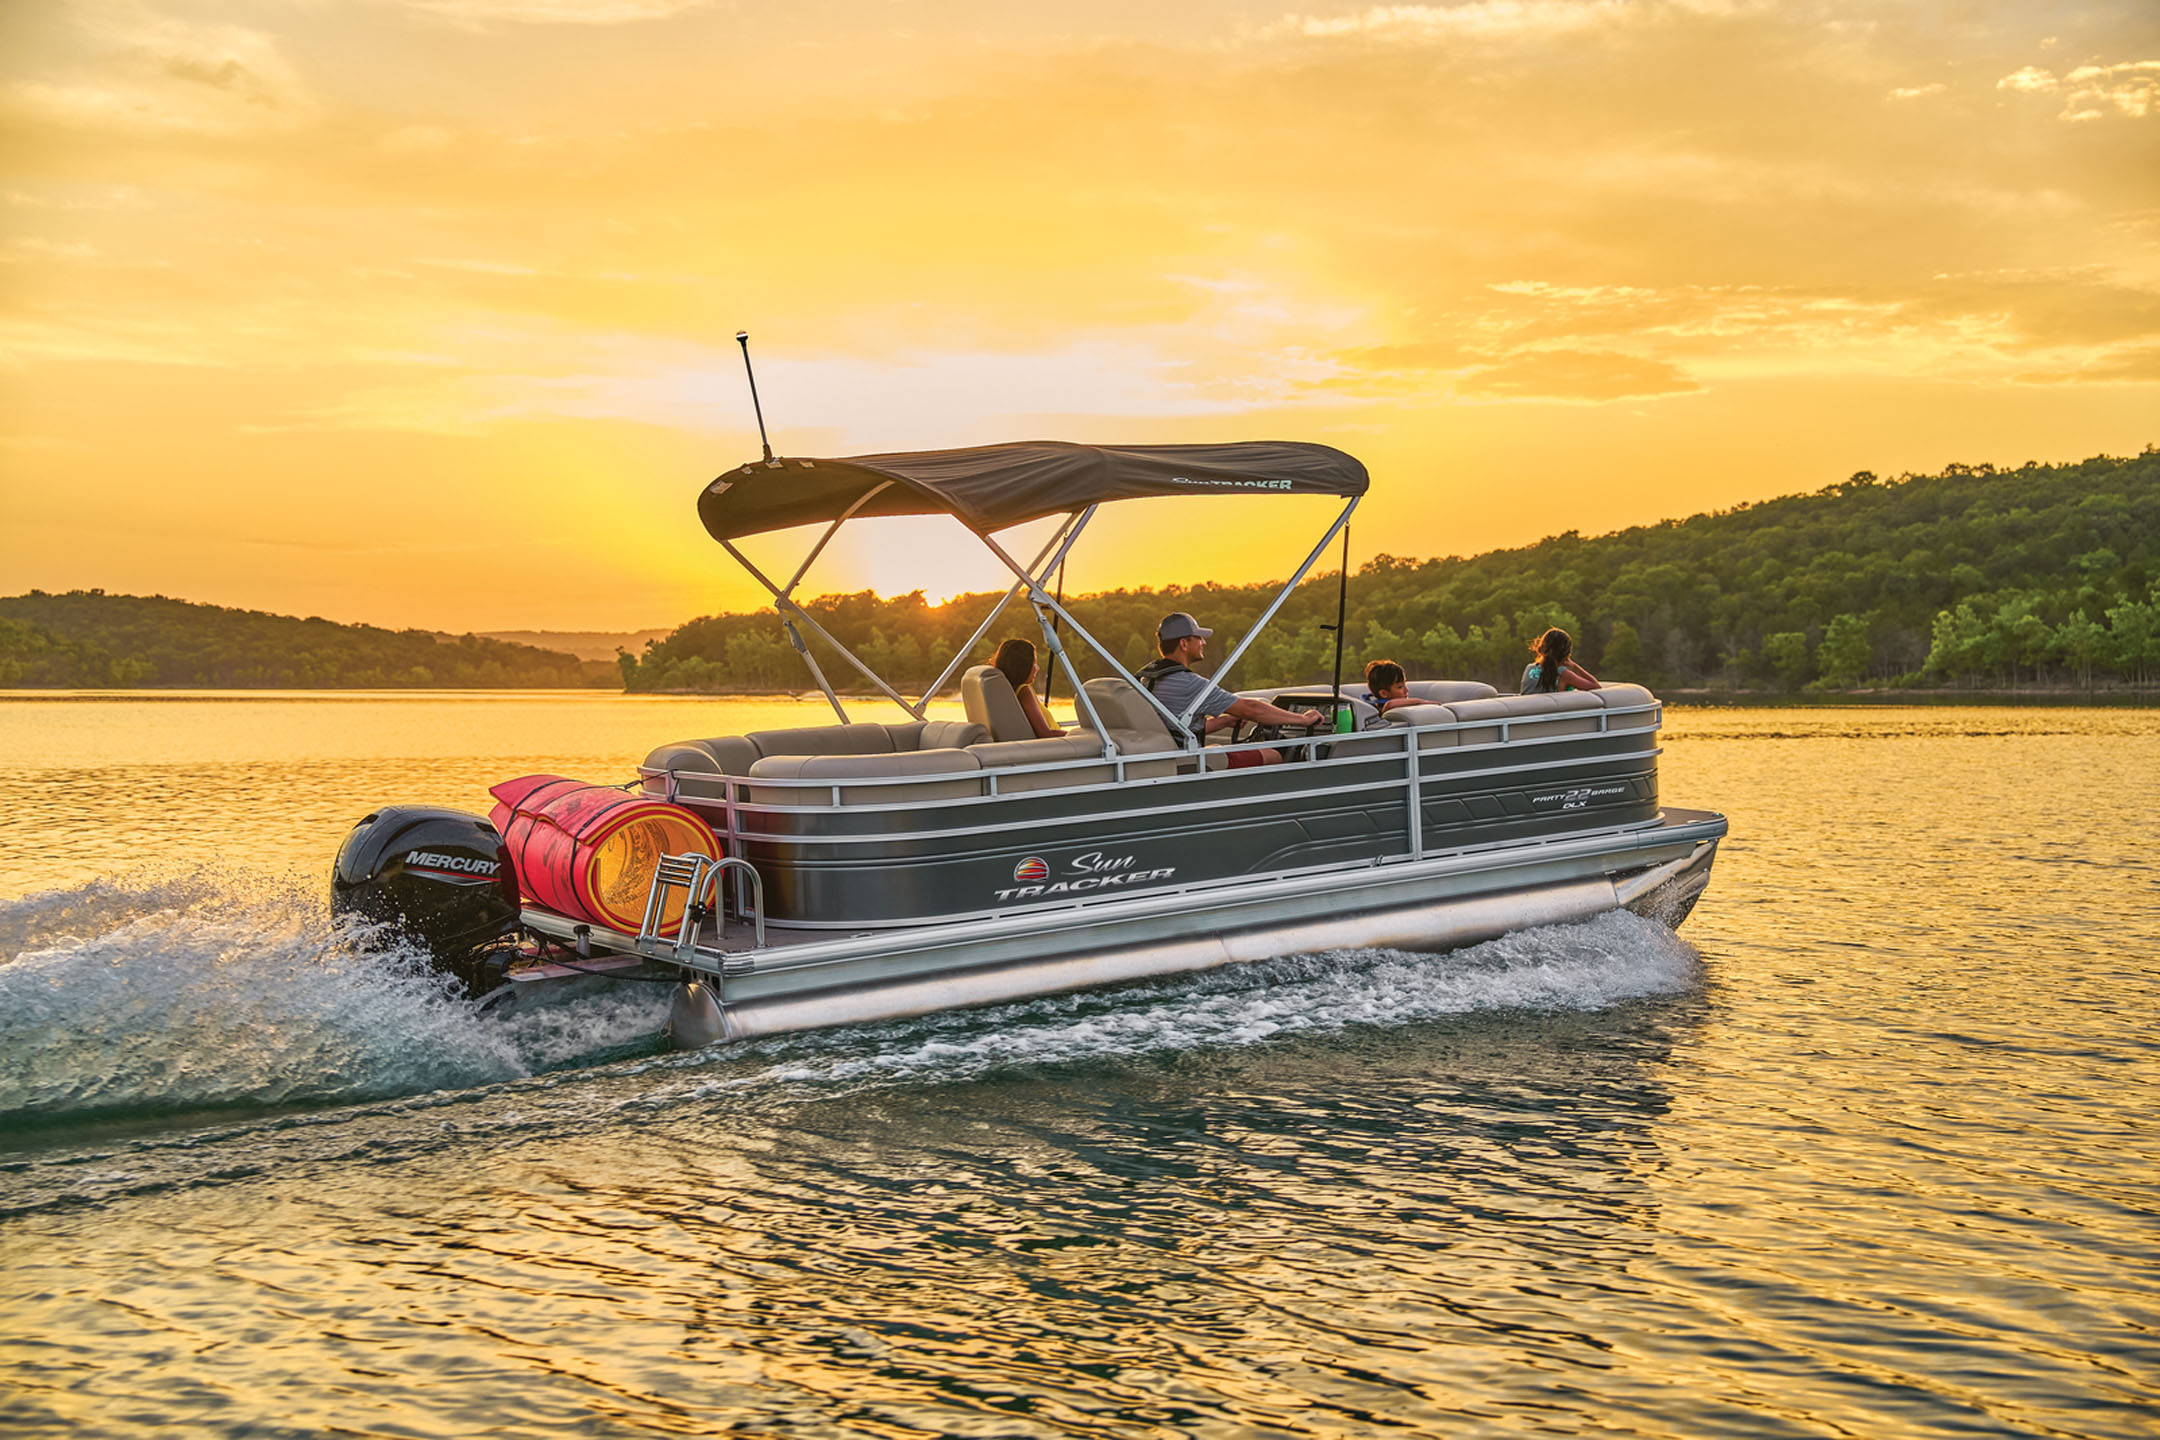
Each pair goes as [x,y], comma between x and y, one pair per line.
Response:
[420,312]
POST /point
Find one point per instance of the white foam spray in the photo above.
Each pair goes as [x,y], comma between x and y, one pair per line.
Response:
[208,989]
[211,989]
[1588,966]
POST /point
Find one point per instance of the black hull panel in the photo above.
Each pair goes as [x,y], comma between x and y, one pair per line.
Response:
[877,865]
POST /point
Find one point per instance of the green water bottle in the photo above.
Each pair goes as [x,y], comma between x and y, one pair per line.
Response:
[1345,721]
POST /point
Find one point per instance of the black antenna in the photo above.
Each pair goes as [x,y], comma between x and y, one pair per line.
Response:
[1050,670]
[1342,607]
[742,338]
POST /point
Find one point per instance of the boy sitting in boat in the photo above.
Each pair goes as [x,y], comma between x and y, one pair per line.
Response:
[1387,688]
[1182,642]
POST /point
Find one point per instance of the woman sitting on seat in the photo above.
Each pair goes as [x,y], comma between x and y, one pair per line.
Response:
[1553,670]
[1016,660]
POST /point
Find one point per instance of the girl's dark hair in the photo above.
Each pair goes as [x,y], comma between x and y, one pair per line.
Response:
[1553,648]
[1016,658]
[1383,675]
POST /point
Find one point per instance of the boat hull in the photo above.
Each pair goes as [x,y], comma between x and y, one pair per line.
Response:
[1433,905]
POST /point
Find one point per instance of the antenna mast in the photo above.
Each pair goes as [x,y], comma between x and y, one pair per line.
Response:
[742,338]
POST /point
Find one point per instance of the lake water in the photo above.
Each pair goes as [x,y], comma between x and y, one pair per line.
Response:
[1869,1150]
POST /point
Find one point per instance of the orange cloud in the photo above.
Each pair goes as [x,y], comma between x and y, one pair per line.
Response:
[495,250]
[1587,375]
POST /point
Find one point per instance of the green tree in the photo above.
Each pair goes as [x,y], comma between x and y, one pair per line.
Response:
[1787,653]
[1955,641]
[1844,654]
[2134,638]
[1623,650]
[2082,643]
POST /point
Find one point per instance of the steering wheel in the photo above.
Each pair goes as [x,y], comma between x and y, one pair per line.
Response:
[1239,735]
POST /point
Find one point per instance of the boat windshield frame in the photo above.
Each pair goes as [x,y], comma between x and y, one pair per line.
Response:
[1031,579]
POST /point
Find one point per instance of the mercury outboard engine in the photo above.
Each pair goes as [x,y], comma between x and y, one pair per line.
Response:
[439,878]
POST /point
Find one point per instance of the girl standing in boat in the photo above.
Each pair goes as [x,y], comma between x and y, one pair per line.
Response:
[1016,661]
[1553,670]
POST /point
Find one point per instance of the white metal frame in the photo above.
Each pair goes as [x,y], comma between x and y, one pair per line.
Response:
[1029,579]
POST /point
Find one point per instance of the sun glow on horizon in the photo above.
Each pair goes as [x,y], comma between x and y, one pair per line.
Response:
[420,313]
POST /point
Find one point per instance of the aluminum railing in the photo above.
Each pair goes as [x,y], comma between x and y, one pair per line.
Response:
[1408,750]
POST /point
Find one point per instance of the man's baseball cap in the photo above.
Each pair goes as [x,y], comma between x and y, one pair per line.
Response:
[1177,625]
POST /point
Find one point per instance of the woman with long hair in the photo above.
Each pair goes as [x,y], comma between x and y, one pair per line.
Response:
[1016,660]
[1553,669]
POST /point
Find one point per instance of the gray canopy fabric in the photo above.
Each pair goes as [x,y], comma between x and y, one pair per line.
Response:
[990,487]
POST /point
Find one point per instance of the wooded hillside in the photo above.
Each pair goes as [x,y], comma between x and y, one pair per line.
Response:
[1972,576]
[88,639]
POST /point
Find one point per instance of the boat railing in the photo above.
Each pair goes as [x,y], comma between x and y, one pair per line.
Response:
[1404,744]
[1409,737]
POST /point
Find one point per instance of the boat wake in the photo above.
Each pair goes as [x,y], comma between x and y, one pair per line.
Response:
[1598,963]
[208,991]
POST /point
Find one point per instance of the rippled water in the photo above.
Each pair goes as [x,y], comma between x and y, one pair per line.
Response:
[1868,1151]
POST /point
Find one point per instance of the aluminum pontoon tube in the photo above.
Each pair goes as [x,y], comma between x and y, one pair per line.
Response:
[1443,925]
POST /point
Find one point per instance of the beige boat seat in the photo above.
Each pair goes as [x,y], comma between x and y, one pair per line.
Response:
[1131,723]
[937,734]
[935,750]
[1565,712]
[988,698]
[735,754]
[1442,692]
[1627,697]
[945,774]
[1002,755]
[1137,726]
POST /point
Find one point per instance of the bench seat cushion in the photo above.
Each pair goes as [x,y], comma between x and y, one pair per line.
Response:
[1621,697]
[1443,692]
[725,755]
[861,738]
[961,765]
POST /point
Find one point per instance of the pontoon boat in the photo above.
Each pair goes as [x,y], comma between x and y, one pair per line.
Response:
[868,870]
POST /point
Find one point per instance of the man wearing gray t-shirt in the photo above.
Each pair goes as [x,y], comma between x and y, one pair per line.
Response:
[1183,643]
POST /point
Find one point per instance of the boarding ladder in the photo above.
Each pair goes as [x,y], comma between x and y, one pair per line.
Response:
[698,876]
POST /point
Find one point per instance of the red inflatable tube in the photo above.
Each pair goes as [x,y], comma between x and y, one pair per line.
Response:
[588,852]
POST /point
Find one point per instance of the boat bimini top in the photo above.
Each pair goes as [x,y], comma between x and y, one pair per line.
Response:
[989,488]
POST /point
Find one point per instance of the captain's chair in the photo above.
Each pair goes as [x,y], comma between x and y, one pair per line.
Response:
[991,703]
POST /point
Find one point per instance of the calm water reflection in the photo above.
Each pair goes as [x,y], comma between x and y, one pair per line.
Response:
[1870,1154]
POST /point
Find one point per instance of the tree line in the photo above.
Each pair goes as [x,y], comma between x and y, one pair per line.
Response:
[2045,574]
[1977,576]
[86,639]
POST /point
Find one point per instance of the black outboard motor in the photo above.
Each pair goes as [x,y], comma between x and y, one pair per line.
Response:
[442,879]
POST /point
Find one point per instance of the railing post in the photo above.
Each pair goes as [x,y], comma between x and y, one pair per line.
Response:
[1415,748]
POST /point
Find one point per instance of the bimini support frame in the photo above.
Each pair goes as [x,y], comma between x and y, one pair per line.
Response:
[792,614]
[1046,606]
[960,656]
[1028,579]
[1180,723]
[1341,521]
